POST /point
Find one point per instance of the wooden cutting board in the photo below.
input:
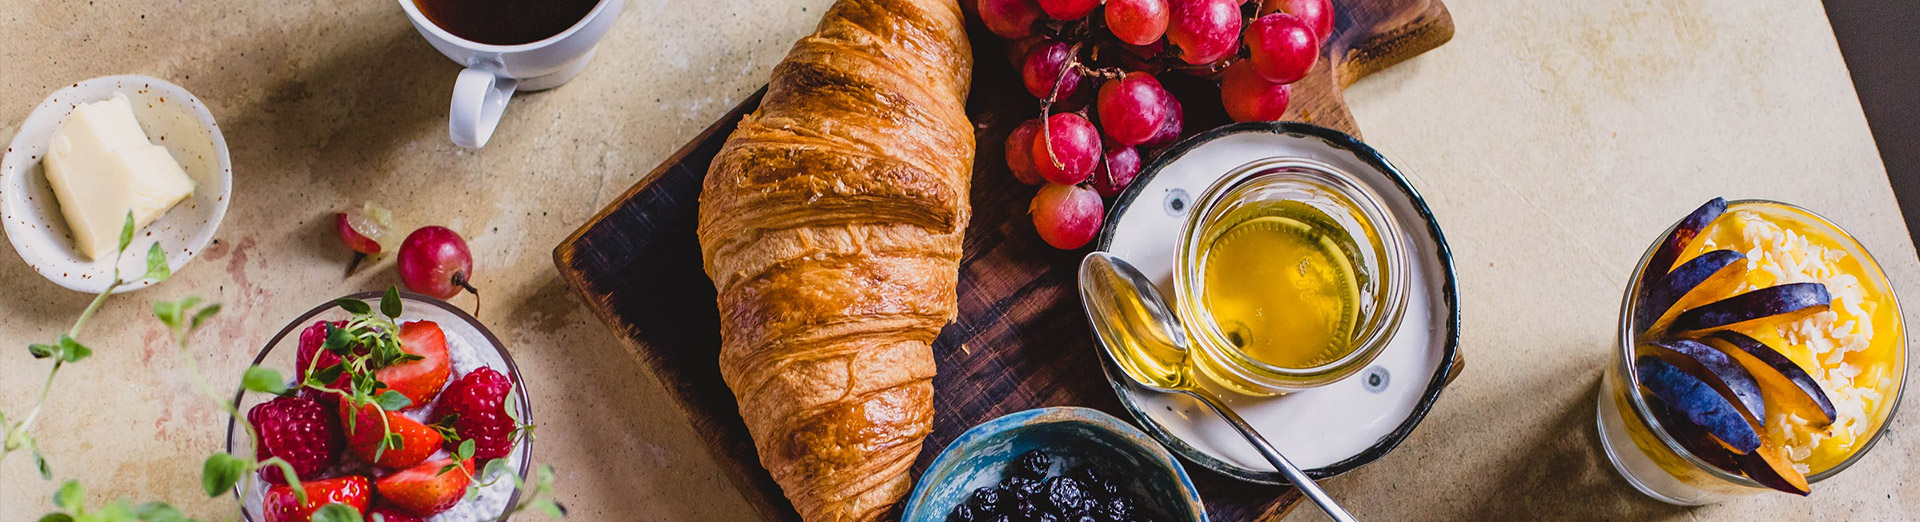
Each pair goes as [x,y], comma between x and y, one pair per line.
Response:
[1021,340]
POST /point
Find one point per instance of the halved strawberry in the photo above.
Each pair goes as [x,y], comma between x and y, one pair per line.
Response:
[419,380]
[281,505]
[364,436]
[424,490]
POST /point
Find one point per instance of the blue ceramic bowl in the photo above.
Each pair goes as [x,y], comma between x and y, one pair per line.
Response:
[1074,437]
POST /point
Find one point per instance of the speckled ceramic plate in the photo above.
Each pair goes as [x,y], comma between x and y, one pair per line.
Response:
[1327,430]
[172,118]
[1075,437]
[464,333]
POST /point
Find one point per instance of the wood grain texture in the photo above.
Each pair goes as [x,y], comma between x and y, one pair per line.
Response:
[1021,339]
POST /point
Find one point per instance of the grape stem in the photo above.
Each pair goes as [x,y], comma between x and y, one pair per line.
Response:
[1073,66]
[460,280]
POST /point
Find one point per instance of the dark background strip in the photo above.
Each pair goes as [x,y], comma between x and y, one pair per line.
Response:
[1880,40]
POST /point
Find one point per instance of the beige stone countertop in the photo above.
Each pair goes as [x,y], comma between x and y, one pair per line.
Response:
[1554,141]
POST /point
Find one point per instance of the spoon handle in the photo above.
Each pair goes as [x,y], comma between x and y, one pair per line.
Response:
[1280,462]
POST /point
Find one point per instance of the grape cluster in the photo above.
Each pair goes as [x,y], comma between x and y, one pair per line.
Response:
[1027,494]
[1093,66]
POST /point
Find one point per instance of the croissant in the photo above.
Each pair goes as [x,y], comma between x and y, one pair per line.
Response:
[831,223]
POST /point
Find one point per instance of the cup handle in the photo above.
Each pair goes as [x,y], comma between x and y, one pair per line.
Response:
[479,97]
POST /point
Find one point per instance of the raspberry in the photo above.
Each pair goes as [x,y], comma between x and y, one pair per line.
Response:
[480,399]
[298,430]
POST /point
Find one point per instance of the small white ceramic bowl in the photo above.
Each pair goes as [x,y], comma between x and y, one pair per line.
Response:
[173,118]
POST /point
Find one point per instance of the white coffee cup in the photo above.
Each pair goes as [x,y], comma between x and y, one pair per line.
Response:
[495,72]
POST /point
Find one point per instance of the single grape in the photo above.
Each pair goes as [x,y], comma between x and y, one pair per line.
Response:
[1170,130]
[1066,149]
[1020,152]
[1206,31]
[1132,108]
[1010,19]
[1150,50]
[1281,47]
[435,261]
[1066,216]
[1318,14]
[362,230]
[1137,22]
[1067,10]
[1249,97]
[1117,169]
[1017,49]
[1044,65]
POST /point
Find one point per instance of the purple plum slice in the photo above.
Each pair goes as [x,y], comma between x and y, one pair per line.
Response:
[1777,300]
[1718,370]
[1676,240]
[1693,437]
[1658,299]
[1797,391]
[1770,466]
[1698,402]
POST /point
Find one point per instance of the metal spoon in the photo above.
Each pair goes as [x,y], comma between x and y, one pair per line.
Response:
[1150,345]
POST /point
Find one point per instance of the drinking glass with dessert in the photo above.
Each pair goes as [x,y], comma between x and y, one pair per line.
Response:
[1760,347]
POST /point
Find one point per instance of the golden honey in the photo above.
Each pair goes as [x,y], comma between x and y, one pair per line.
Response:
[1280,284]
[1289,277]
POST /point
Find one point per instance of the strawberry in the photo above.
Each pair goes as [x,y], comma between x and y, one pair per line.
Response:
[281,505]
[390,514]
[298,430]
[424,490]
[364,433]
[419,380]
[479,398]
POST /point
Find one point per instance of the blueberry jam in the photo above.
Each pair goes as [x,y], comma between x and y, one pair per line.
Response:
[1027,494]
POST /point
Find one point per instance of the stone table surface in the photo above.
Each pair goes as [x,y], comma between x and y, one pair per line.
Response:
[1554,141]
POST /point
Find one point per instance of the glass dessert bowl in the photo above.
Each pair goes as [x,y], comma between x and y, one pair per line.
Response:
[346,467]
[1769,357]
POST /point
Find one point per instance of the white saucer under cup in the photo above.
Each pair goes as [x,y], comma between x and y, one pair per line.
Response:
[1327,430]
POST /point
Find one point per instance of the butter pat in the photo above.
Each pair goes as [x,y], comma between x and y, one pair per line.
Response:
[101,167]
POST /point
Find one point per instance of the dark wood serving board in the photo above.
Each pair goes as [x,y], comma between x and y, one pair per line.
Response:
[1021,340]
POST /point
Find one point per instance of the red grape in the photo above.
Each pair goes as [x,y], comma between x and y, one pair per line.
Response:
[1017,49]
[1132,108]
[1151,49]
[362,230]
[1169,131]
[1043,67]
[1066,216]
[1137,22]
[1068,9]
[1206,31]
[435,261]
[1318,14]
[1282,47]
[1020,152]
[1249,97]
[1117,169]
[1010,18]
[1067,149]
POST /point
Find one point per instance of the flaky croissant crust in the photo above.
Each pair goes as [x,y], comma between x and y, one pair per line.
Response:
[830,223]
